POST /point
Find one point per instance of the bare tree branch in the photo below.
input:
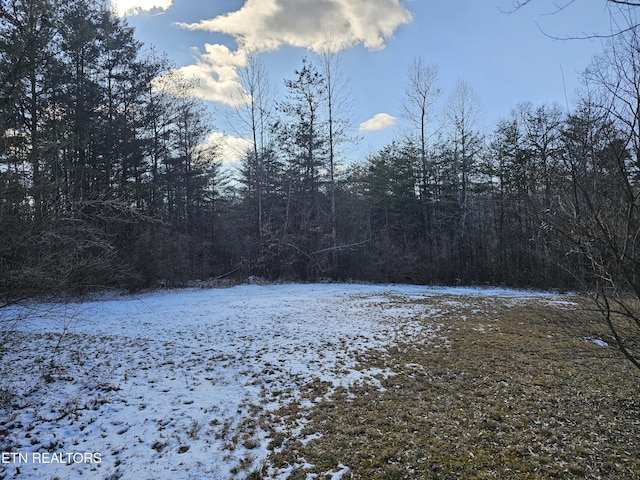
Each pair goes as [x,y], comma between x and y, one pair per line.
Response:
[622,2]
[632,24]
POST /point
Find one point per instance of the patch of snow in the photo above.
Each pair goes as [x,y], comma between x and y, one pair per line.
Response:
[340,473]
[597,341]
[175,384]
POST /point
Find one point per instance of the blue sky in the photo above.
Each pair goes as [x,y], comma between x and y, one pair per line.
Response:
[506,58]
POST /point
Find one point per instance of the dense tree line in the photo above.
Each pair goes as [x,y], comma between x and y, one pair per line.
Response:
[105,179]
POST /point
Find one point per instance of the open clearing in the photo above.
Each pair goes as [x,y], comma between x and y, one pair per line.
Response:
[316,381]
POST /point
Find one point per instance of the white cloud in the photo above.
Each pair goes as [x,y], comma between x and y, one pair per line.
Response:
[267,25]
[216,75]
[262,25]
[231,149]
[379,121]
[134,7]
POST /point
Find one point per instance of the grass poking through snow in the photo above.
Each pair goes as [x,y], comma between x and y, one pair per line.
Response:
[320,381]
[511,390]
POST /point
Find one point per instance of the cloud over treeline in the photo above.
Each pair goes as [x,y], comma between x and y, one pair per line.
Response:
[134,7]
[267,25]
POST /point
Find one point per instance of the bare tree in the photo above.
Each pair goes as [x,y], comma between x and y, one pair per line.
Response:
[596,214]
[463,116]
[616,8]
[420,95]
[254,112]
[602,213]
[338,105]
[522,3]
[460,168]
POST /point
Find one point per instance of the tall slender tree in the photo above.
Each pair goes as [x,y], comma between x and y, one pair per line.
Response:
[420,96]
[255,112]
[338,102]
[303,133]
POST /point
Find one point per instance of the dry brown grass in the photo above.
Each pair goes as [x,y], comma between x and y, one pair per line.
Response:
[517,392]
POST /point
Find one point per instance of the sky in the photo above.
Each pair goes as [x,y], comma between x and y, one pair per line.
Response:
[506,56]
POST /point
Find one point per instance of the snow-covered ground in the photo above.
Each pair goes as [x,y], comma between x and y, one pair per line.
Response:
[178,384]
